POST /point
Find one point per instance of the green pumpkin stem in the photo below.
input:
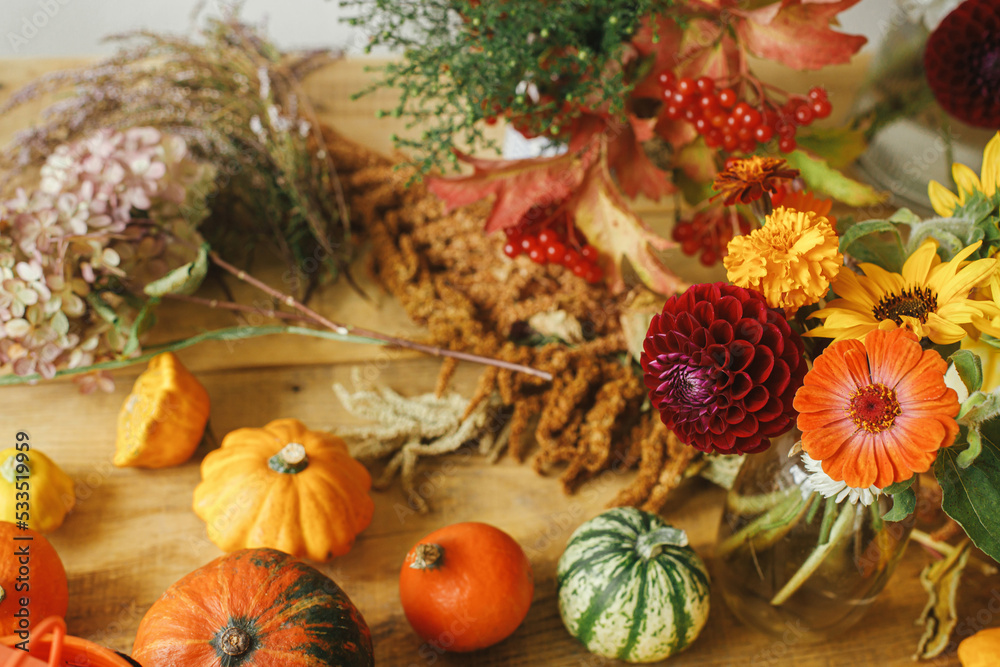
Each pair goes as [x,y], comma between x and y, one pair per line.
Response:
[649,545]
[428,557]
[235,641]
[290,460]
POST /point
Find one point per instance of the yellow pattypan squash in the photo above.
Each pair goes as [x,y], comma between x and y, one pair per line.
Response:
[284,487]
[33,486]
[162,421]
[981,649]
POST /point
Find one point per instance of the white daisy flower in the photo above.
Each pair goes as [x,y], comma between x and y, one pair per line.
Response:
[826,486]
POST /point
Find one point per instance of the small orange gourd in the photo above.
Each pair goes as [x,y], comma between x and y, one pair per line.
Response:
[466,586]
[41,569]
[284,487]
[162,421]
[981,649]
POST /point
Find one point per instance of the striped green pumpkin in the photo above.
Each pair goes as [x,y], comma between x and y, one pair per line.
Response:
[630,587]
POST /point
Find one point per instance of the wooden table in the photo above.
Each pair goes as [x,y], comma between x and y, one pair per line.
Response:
[133,533]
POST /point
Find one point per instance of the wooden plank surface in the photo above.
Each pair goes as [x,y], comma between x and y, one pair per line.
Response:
[133,533]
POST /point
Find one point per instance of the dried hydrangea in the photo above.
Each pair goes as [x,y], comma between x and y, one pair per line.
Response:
[111,213]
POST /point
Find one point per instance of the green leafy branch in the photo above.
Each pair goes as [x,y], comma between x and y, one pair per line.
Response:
[465,62]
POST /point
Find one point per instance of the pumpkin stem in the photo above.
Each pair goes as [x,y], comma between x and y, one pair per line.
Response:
[290,460]
[3,594]
[650,545]
[8,468]
[428,557]
[234,641]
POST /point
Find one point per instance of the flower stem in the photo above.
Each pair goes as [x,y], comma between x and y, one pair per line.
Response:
[345,330]
[844,522]
[780,516]
[828,512]
[228,334]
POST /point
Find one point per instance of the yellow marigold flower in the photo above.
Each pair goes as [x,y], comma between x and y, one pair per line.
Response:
[745,180]
[790,260]
[931,298]
[945,201]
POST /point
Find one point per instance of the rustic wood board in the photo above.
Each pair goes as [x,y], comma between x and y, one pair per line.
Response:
[133,533]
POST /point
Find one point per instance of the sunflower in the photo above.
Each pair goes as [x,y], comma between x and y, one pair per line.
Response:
[945,202]
[876,412]
[790,260]
[930,298]
[745,180]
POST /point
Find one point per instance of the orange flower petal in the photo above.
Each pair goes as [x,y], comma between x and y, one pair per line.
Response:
[893,354]
[826,442]
[820,418]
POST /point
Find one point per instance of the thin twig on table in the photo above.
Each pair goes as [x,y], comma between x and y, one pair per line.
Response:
[345,330]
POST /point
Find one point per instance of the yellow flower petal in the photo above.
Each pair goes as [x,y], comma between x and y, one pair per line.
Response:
[943,200]
[950,284]
[966,180]
[918,265]
[991,166]
[941,331]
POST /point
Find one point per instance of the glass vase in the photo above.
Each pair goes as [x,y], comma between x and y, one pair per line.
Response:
[788,559]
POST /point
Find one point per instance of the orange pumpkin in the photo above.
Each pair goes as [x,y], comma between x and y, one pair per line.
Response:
[466,586]
[47,591]
[981,649]
[284,487]
[253,608]
[162,421]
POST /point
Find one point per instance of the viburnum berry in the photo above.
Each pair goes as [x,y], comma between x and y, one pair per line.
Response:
[708,232]
[548,236]
[734,125]
[727,98]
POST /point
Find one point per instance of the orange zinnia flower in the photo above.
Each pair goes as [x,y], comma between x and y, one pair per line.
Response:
[876,412]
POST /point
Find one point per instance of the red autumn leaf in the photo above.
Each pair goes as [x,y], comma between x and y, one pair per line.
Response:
[518,185]
[799,34]
[635,171]
[618,233]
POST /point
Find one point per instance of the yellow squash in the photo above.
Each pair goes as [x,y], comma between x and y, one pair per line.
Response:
[163,419]
[284,487]
[35,489]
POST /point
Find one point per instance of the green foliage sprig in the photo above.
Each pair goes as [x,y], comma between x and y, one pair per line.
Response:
[465,62]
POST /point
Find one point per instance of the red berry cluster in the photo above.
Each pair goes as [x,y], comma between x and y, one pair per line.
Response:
[708,233]
[736,125]
[552,246]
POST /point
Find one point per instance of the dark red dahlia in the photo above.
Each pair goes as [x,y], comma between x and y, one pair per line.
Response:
[962,61]
[722,368]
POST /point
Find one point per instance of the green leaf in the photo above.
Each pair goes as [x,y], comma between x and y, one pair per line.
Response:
[903,504]
[875,241]
[840,146]
[970,369]
[899,487]
[952,234]
[969,456]
[143,321]
[102,308]
[824,179]
[184,279]
[905,216]
[972,495]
